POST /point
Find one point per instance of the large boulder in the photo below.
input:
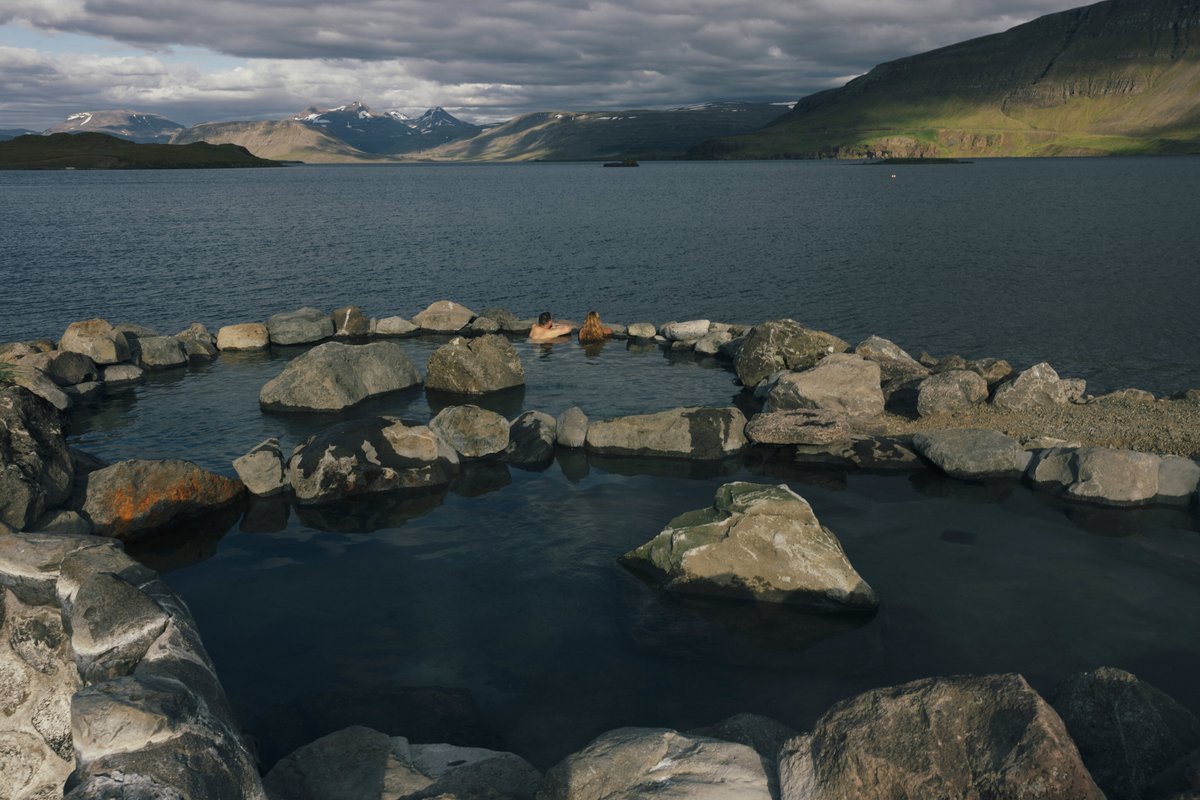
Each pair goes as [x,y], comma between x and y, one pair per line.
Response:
[842,383]
[444,316]
[334,376]
[96,339]
[1037,387]
[198,343]
[755,542]
[35,466]
[302,326]
[393,326]
[349,321]
[894,362]
[359,763]
[963,737]
[475,366]
[782,345]
[1178,478]
[130,498]
[245,336]
[63,367]
[1103,475]
[37,383]
[472,431]
[703,434]
[263,470]
[372,454]
[531,439]
[973,453]
[950,391]
[160,352]
[647,763]
[1127,731]
[508,321]
[689,331]
[571,427]
[799,426]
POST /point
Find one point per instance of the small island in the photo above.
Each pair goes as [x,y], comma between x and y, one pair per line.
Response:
[628,162]
[101,151]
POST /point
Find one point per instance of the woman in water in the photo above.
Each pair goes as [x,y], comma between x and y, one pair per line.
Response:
[592,330]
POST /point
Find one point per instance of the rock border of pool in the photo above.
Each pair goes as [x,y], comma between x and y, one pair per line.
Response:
[111,694]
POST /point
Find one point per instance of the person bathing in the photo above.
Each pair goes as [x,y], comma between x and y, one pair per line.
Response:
[593,330]
[547,328]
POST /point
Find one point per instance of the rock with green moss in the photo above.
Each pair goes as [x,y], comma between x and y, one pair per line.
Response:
[755,542]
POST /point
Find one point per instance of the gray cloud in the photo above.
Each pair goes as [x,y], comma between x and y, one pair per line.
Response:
[488,60]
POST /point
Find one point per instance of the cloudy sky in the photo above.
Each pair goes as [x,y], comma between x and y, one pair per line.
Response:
[206,60]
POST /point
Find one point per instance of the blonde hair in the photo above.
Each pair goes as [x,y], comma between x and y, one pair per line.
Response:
[592,330]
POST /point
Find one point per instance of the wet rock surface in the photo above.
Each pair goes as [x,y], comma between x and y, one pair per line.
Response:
[704,434]
[842,383]
[334,376]
[302,326]
[475,366]
[35,466]
[443,316]
[973,453]
[782,345]
[472,431]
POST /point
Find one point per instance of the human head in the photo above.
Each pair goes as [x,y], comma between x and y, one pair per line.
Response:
[544,318]
[592,318]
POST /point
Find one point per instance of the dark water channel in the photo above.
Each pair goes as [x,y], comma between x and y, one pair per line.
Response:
[496,614]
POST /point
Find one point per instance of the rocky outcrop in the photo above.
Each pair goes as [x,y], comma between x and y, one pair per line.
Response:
[531,439]
[782,345]
[132,498]
[800,426]
[444,316]
[894,362]
[198,344]
[1128,732]
[35,466]
[475,366]
[263,469]
[710,343]
[160,352]
[472,431]
[842,383]
[349,322]
[96,339]
[372,454]
[1037,387]
[63,367]
[246,336]
[951,391]
[702,434]
[645,763]
[302,326]
[108,688]
[755,542]
[988,736]
[973,453]
[359,763]
[334,376]
[571,428]
[1099,475]
[508,321]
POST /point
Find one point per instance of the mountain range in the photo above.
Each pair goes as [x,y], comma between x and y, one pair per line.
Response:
[132,125]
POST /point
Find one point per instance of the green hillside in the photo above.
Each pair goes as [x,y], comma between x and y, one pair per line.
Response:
[1117,77]
[101,151]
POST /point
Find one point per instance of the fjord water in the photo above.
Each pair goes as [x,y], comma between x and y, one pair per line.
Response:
[496,614]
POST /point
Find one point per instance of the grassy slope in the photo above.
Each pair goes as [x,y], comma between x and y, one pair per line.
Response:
[101,151]
[283,140]
[1117,77]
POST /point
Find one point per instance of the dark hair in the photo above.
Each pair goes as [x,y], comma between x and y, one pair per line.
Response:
[544,318]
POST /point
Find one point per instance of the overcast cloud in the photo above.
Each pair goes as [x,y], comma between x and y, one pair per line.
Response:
[198,60]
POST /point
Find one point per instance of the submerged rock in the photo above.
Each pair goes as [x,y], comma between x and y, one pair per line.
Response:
[842,383]
[475,366]
[96,339]
[246,336]
[782,345]
[973,452]
[35,465]
[988,736]
[800,426]
[444,316]
[755,542]
[123,373]
[472,431]
[703,434]
[302,326]
[334,376]
[645,763]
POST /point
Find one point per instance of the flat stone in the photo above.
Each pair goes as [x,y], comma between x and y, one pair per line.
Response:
[973,453]
[444,316]
[782,345]
[756,542]
[1178,477]
[112,626]
[393,326]
[263,469]
[799,426]
[472,431]
[685,331]
[1114,477]
[710,343]
[949,392]
[36,382]
[123,373]
[475,366]
[302,326]
[703,434]
[642,330]
[842,383]
[335,376]
[571,428]
[30,563]
[62,521]
[1125,396]
[244,336]
[85,392]
[96,339]
[160,352]
[130,713]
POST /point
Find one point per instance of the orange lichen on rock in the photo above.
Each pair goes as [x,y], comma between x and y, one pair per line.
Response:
[133,496]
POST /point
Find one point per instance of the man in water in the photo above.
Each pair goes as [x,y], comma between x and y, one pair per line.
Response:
[547,328]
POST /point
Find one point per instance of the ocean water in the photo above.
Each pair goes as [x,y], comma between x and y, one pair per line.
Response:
[495,613]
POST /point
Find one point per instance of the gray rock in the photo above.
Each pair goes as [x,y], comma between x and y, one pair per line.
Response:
[1114,477]
[160,352]
[123,373]
[444,316]
[393,326]
[1037,387]
[112,626]
[302,326]
[132,498]
[198,343]
[766,735]
[475,366]
[729,351]
[35,465]
[130,713]
[133,330]
[62,521]
[483,325]
[571,428]
[1178,478]
[372,454]
[1125,396]
[84,392]
[472,431]
[948,392]
[894,362]
[246,336]
[642,330]
[843,383]
[348,321]
[334,376]
[702,434]
[685,331]
[531,439]
[1126,730]
[37,383]
[96,339]
[988,736]
[973,453]
[1052,468]
[645,763]
[1075,389]
[755,542]
[358,763]
[782,344]
[992,370]
[63,367]
[30,563]
[263,469]
[710,343]
[507,320]
[799,426]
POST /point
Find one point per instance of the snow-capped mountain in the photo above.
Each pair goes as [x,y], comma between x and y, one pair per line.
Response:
[390,132]
[132,125]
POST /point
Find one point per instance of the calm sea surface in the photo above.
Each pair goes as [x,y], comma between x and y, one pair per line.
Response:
[495,614]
